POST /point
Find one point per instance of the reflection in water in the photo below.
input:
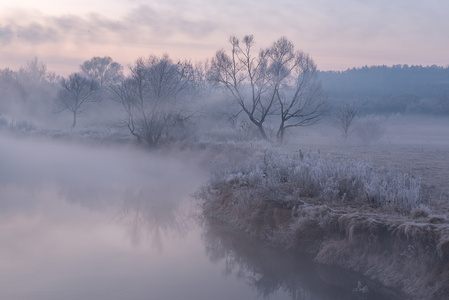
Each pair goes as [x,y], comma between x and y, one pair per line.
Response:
[89,196]
[270,271]
[147,213]
[146,190]
[148,216]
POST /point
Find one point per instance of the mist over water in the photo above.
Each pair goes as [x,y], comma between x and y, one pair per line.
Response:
[96,223]
[79,222]
[74,218]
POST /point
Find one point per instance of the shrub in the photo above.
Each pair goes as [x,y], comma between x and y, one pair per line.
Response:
[282,178]
[22,126]
[370,129]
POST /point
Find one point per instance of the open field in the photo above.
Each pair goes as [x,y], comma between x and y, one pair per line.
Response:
[418,146]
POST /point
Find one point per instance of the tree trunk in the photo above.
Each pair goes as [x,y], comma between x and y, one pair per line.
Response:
[262,132]
[74,119]
[280,133]
[345,135]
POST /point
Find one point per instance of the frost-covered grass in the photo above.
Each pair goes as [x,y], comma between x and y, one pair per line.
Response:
[338,211]
[281,178]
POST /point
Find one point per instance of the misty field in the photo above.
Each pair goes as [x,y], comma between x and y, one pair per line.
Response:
[416,145]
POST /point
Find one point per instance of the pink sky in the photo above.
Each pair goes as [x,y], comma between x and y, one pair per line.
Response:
[337,34]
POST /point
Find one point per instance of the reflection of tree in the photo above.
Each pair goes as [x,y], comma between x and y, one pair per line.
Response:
[88,196]
[270,271]
[147,216]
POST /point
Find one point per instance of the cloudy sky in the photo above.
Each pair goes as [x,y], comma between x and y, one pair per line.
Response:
[337,34]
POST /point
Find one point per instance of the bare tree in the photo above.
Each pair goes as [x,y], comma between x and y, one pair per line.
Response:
[157,97]
[35,76]
[345,116]
[34,70]
[36,87]
[75,93]
[245,77]
[104,71]
[300,100]
[278,81]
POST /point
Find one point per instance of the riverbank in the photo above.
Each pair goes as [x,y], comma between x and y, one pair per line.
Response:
[339,212]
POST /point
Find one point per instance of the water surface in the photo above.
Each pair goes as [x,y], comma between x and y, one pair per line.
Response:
[80,222]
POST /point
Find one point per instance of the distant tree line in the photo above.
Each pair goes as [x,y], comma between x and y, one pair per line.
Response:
[29,90]
[395,89]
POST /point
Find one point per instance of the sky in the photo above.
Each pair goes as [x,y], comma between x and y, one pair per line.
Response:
[337,34]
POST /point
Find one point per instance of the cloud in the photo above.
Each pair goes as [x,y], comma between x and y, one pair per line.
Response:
[333,33]
[6,35]
[141,23]
[36,33]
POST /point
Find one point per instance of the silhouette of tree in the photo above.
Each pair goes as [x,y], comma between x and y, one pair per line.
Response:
[278,81]
[75,93]
[157,97]
[104,71]
[345,117]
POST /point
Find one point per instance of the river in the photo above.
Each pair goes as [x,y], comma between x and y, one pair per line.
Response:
[90,223]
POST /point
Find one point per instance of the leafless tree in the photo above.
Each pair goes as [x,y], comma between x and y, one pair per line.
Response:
[245,77]
[35,87]
[300,100]
[104,71]
[345,116]
[35,79]
[279,81]
[157,97]
[75,93]
[34,71]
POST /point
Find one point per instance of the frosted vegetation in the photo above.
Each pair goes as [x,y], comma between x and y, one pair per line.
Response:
[306,176]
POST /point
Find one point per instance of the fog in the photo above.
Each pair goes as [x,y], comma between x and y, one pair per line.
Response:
[101,172]
[90,222]
[94,176]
